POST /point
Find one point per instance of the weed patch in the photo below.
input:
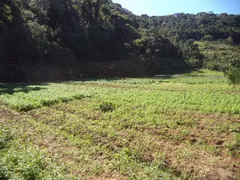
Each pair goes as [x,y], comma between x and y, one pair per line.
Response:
[107,106]
[19,161]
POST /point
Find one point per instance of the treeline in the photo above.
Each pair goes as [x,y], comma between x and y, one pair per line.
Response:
[202,26]
[71,32]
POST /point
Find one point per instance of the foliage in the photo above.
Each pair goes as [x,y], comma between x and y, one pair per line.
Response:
[183,29]
[233,71]
[107,106]
[66,33]
[202,25]
[24,162]
[5,137]
[217,55]
[192,54]
[234,75]
[38,37]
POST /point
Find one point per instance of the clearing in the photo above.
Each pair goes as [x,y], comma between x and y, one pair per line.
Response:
[175,127]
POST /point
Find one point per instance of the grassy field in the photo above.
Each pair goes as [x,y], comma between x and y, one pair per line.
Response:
[169,127]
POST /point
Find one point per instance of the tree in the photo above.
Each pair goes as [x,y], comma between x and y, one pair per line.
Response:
[192,54]
[207,38]
[229,40]
[38,38]
[233,75]
[233,71]
[40,8]
[6,19]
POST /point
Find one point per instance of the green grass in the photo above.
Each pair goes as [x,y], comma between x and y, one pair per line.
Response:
[178,127]
[27,97]
[23,161]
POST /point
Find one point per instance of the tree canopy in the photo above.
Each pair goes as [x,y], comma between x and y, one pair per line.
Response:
[67,32]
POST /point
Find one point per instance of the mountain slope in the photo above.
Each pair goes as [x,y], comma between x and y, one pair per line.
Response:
[50,34]
[65,32]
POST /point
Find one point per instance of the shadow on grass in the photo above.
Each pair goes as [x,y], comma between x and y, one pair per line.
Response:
[11,88]
[163,76]
[110,79]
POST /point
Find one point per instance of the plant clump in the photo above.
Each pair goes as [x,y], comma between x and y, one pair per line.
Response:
[107,106]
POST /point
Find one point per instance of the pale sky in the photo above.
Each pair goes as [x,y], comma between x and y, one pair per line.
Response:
[167,7]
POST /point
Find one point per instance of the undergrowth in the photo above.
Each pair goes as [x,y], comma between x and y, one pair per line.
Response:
[21,161]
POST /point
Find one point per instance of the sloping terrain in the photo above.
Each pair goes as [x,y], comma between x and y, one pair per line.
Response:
[218,55]
[56,35]
[68,32]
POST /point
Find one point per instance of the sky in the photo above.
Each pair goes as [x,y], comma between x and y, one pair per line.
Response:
[167,7]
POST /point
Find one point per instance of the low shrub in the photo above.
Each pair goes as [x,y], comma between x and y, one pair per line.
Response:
[78,96]
[49,102]
[107,106]
[234,75]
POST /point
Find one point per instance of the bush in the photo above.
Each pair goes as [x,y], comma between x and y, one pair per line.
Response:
[234,75]
[27,163]
[49,102]
[79,96]
[5,137]
[107,106]
[233,71]
[194,63]
[66,99]
[207,38]
[25,107]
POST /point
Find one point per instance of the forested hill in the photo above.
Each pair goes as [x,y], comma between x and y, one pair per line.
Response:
[73,33]
[205,26]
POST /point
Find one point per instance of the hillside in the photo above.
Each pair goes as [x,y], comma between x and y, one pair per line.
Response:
[217,55]
[206,26]
[57,38]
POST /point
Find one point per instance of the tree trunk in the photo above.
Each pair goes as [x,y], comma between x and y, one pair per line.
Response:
[41,56]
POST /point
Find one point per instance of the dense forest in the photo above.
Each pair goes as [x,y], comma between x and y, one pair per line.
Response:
[71,39]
